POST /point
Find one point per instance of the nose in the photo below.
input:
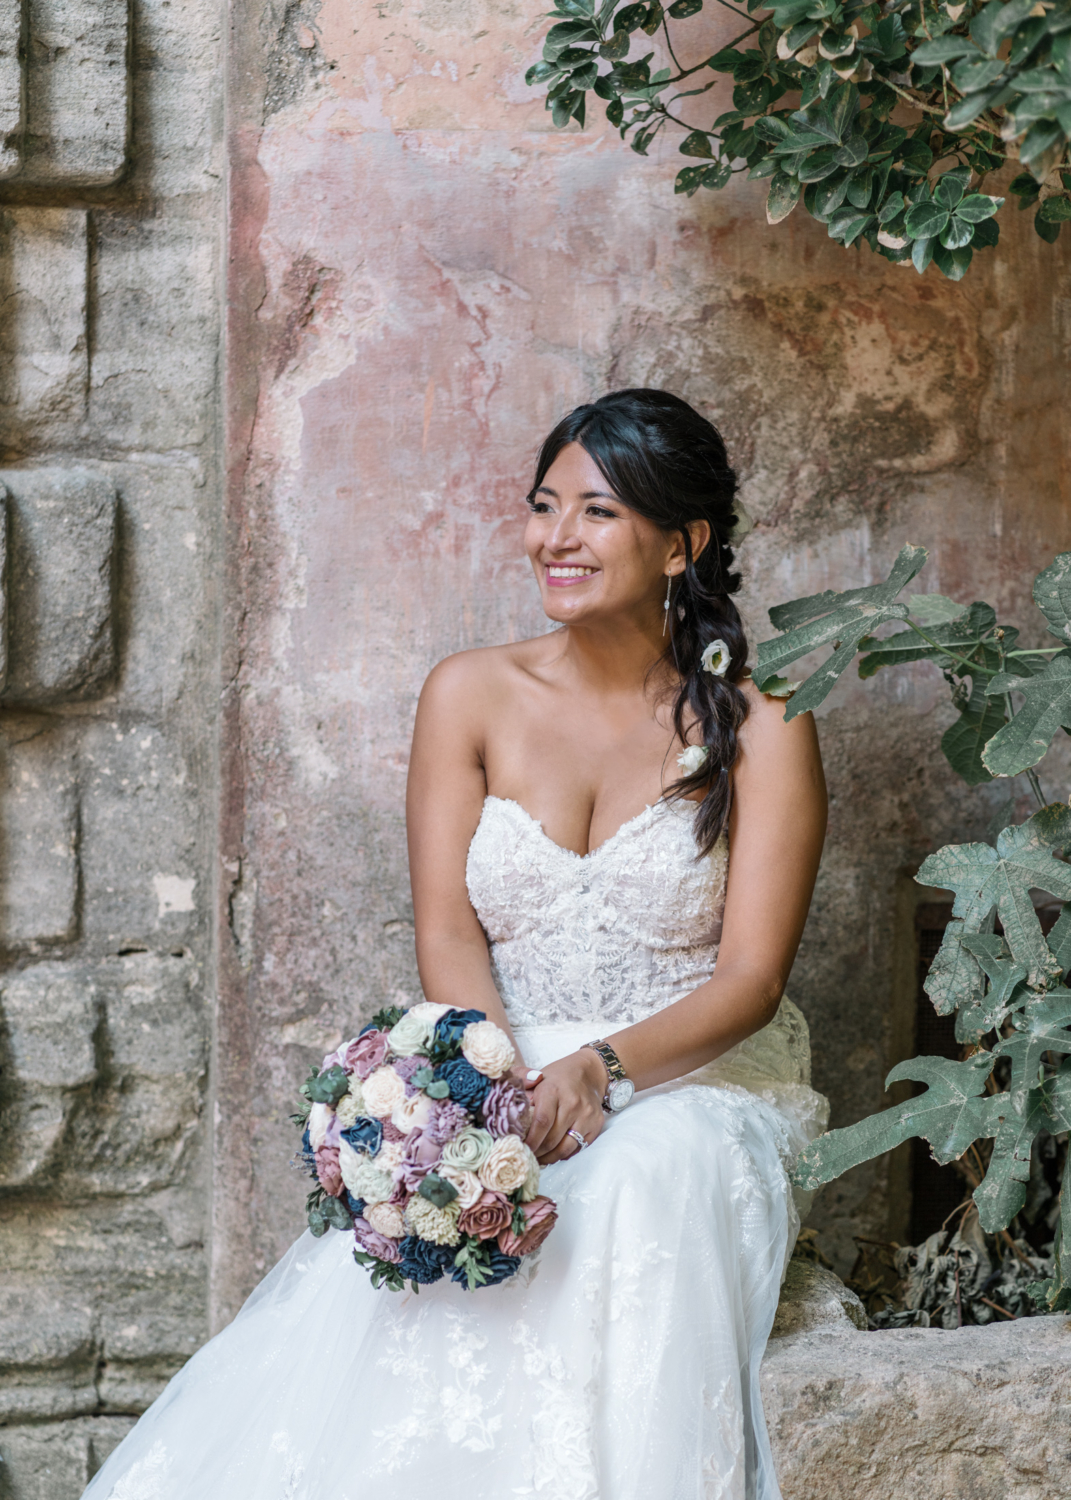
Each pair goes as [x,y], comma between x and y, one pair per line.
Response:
[562,536]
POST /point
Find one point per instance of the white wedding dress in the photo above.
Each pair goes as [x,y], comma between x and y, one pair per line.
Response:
[622,1362]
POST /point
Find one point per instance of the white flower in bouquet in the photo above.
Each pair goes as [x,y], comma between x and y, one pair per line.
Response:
[693,758]
[319,1119]
[468,1150]
[469,1187]
[414,1031]
[530,1186]
[413,1113]
[389,1155]
[439,1225]
[386,1218]
[363,1179]
[383,1092]
[716,658]
[507,1166]
[350,1107]
[488,1048]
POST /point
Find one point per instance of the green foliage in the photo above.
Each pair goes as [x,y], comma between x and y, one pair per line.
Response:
[814,86]
[325,1088]
[1007,989]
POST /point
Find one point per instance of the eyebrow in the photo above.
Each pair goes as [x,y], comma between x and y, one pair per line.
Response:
[545,489]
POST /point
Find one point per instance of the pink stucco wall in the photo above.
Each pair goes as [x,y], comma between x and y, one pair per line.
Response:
[423,277]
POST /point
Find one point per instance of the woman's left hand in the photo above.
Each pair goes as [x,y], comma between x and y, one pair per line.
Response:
[568,1098]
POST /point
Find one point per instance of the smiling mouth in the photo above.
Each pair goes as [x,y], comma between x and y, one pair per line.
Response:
[560,576]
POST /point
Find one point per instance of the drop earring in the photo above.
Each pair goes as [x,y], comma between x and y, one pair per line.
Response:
[665,607]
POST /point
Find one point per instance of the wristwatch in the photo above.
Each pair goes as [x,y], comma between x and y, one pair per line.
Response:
[621,1088]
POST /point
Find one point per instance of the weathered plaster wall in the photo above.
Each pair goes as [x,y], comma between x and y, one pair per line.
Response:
[424,278]
[110,235]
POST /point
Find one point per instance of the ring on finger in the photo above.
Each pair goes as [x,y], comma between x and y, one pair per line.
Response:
[578,1138]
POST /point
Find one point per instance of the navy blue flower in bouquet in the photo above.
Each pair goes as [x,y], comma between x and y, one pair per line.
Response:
[422,1261]
[468,1087]
[365,1134]
[451,1026]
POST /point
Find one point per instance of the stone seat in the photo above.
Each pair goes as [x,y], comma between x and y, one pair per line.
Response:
[921,1413]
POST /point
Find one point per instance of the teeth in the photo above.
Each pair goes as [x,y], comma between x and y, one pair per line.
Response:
[571,572]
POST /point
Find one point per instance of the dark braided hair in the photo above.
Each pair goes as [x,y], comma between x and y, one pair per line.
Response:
[667,463]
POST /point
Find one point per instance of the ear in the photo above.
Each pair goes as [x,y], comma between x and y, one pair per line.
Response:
[699,534]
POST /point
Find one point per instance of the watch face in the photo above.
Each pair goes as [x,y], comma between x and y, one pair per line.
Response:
[621,1093]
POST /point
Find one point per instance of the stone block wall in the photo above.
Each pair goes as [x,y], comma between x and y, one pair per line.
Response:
[110,244]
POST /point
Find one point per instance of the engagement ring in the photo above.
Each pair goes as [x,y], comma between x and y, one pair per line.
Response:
[581,1142]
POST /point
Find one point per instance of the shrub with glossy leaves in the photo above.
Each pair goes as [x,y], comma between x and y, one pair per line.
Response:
[815,84]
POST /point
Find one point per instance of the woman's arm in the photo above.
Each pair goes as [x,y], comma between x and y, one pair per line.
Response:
[776,831]
[444,800]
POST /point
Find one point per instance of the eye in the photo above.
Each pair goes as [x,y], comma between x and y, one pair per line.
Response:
[600,510]
[538,507]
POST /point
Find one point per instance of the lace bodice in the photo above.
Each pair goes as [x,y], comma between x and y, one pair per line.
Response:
[611,936]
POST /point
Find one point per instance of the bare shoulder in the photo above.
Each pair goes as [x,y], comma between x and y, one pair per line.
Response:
[468,680]
[766,736]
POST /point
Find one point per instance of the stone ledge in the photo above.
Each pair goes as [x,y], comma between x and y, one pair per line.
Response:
[973,1414]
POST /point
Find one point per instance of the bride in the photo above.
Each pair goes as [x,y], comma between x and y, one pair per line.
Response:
[572,803]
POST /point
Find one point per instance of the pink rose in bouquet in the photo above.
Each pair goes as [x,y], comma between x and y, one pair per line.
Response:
[490,1214]
[540,1217]
[366,1054]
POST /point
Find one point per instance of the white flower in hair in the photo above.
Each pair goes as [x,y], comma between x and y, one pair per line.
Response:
[692,758]
[716,658]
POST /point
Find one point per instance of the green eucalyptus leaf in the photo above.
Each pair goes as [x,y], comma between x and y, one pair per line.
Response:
[437,1190]
[1045,711]
[984,878]
[953,1113]
[327,1088]
[336,1214]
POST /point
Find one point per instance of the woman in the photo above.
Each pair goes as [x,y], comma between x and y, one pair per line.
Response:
[572,800]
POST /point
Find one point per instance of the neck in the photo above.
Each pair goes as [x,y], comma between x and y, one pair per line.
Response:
[615,656]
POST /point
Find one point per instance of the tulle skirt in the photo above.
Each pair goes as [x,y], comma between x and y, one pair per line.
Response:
[621,1363]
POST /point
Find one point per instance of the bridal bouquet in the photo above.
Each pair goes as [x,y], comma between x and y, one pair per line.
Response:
[416,1139]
